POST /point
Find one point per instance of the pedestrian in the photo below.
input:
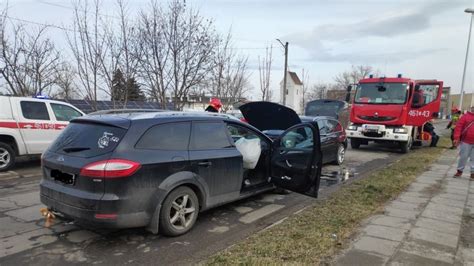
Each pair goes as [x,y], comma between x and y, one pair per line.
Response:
[455,115]
[464,137]
[429,127]
[214,105]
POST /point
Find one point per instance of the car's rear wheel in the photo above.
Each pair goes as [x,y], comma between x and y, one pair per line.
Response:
[179,212]
[355,143]
[7,157]
[341,154]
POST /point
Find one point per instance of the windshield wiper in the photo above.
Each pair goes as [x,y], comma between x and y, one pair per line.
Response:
[75,149]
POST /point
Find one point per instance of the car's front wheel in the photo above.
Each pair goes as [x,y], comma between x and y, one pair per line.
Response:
[179,212]
[7,157]
[340,155]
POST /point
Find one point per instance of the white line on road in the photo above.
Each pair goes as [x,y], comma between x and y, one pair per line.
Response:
[260,213]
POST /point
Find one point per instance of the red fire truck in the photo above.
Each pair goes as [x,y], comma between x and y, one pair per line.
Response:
[393,110]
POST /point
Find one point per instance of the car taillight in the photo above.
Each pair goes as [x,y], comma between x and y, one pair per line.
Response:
[113,168]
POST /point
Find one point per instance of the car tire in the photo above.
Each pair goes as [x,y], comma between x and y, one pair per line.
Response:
[355,143]
[340,155]
[179,212]
[406,146]
[7,157]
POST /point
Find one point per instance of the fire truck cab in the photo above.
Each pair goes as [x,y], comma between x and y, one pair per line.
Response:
[393,110]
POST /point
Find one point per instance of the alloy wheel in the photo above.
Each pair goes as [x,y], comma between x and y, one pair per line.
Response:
[5,157]
[182,212]
[341,153]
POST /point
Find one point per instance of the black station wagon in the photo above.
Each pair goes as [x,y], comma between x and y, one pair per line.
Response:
[159,170]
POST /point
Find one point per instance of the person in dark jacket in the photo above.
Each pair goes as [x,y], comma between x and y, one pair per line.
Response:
[428,127]
[214,106]
[455,116]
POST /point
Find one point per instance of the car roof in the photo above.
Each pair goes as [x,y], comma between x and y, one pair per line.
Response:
[316,118]
[124,119]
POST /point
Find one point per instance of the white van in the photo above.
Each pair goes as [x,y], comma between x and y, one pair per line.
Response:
[29,125]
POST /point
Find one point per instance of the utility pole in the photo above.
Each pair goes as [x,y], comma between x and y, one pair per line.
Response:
[469,11]
[286,70]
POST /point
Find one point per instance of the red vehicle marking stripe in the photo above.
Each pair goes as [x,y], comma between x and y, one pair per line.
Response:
[25,125]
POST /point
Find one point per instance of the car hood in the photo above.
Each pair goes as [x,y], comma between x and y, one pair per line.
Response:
[268,115]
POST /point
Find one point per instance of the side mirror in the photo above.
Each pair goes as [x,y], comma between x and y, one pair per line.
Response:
[348,93]
[417,86]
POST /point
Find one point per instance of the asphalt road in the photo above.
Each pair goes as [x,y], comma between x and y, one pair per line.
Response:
[25,240]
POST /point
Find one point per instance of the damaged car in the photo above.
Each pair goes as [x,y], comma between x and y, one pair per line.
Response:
[273,119]
[160,170]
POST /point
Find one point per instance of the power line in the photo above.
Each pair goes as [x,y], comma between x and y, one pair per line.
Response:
[74,9]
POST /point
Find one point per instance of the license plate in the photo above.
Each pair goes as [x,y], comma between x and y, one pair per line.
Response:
[371,128]
[65,178]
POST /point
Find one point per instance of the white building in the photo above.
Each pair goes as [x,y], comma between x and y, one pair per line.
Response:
[294,92]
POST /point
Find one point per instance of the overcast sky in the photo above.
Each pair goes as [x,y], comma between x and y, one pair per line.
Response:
[422,39]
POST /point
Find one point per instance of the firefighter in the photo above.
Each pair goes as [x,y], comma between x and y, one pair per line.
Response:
[455,115]
[214,105]
[418,98]
[429,127]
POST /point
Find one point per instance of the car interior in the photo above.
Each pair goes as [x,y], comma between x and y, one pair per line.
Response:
[258,176]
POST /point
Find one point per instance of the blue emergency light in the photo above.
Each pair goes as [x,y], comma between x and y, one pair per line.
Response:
[40,96]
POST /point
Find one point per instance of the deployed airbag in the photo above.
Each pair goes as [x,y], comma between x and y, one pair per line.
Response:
[250,150]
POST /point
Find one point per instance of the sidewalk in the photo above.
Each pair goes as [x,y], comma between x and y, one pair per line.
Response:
[432,223]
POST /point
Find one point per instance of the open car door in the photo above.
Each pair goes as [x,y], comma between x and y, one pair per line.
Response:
[296,160]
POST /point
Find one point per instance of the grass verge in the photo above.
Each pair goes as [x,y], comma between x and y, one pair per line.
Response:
[316,234]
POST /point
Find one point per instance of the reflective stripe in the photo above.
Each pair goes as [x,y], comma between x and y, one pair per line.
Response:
[45,126]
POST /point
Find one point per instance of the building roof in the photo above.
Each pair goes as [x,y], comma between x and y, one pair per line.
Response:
[295,78]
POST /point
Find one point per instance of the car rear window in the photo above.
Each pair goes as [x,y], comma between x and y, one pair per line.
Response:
[172,136]
[87,139]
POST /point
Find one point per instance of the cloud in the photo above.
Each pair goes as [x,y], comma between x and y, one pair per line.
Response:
[385,25]
[393,57]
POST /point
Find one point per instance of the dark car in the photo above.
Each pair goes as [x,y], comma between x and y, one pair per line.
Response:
[332,108]
[159,170]
[273,119]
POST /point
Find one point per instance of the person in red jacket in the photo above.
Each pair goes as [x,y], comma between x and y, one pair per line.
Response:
[464,138]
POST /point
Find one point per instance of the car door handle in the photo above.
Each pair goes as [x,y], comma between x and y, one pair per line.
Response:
[205,164]
[288,164]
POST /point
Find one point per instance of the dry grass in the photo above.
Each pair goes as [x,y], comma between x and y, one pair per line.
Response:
[317,233]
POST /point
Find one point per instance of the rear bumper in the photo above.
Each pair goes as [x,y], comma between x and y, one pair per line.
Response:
[116,219]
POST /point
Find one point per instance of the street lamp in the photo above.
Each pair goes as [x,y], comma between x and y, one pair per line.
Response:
[286,69]
[469,11]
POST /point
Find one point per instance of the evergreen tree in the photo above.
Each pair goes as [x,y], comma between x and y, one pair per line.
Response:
[118,86]
[134,91]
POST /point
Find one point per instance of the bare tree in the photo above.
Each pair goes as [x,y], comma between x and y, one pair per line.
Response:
[191,40]
[65,83]
[353,76]
[28,59]
[155,59]
[88,47]
[228,77]
[264,69]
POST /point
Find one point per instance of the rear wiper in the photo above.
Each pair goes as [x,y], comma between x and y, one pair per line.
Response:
[76,149]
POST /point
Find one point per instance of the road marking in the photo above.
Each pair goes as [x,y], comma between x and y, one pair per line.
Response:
[260,213]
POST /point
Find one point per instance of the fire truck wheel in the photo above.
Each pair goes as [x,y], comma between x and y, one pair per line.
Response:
[7,157]
[355,143]
[406,146]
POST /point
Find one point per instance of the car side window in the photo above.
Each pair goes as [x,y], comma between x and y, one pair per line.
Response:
[298,138]
[34,110]
[323,127]
[332,126]
[209,136]
[238,132]
[172,136]
[64,112]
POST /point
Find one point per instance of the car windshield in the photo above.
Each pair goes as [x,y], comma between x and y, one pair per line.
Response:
[325,108]
[381,93]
